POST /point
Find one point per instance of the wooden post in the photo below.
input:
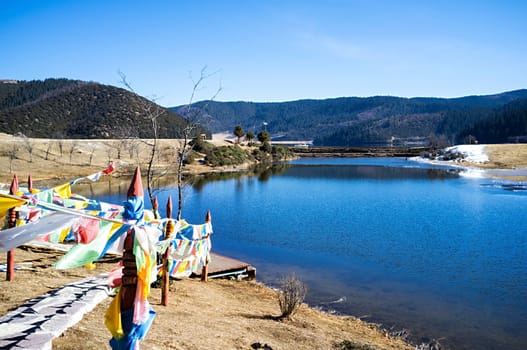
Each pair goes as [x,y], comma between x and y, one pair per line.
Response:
[165,282]
[155,208]
[10,272]
[29,184]
[169,207]
[205,269]
[129,281]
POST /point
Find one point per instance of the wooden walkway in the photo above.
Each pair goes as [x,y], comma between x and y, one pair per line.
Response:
[222,266]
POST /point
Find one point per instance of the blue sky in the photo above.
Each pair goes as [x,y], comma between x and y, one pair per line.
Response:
[270,50]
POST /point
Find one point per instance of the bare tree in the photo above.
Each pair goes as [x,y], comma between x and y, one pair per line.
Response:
[13,154]
[91,148]
[133,146]
[192,119]
[119,147]
[126,138]
[59,137]
[137,150]
[151,112]
[29,146]
[61,146]
[109,151]
[48,149]
[72,147]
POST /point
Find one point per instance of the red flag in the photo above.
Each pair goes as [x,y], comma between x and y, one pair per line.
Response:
[110,169]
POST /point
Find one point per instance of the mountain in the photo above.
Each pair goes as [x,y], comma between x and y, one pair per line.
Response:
[77,109]
[507,123]
[355,121]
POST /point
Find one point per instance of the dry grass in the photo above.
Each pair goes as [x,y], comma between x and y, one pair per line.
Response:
[506,156]
[219,314]
[47,162]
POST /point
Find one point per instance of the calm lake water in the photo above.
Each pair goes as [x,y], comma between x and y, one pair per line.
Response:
[392,241]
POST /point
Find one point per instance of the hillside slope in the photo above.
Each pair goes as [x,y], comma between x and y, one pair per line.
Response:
[63,108]
[354,121]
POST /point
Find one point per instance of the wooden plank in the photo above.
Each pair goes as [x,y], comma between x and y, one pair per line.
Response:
[222,266]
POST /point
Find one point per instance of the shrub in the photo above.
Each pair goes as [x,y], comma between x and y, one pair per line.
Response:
[200,145]
[291,295]
[227,155]
[281,152]
[266,147]
[191,158]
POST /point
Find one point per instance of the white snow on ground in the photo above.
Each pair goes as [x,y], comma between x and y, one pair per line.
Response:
[472,153]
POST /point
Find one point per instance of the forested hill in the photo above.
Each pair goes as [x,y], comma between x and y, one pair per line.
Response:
[507,123]
[63,108]
[354,121]
[59,108]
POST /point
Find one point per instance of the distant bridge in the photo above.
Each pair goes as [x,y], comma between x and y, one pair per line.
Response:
[293,143]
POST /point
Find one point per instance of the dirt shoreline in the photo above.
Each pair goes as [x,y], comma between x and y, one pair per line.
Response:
[219,314]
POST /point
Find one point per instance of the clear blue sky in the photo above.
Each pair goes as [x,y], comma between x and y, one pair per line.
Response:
[271,50]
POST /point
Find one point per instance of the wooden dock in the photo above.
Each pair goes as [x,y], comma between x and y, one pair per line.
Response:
[224,267]
[220,266]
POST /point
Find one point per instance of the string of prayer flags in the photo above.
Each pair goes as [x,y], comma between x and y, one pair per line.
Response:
[16,236]
[82,254]
[190,249]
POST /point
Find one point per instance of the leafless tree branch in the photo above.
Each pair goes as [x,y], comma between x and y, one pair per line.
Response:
[189,128]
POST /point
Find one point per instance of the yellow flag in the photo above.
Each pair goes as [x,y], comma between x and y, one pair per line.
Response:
[7,203]
[112,317]
[63,190]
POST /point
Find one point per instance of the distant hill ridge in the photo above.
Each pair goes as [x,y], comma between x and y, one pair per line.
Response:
[63,108]
[357,121]
[79,109]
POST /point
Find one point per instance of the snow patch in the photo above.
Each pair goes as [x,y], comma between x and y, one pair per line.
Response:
[471,153]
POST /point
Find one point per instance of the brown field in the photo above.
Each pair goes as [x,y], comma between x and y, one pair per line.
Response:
[78,157]
[506,156]
[219,314]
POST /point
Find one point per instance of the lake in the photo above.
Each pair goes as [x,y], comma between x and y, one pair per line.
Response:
[403,244]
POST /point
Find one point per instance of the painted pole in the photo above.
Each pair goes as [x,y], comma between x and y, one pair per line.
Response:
[10,272]
[29,184]
[129,281]
[169,207]
[205,269]
[155,208]
[165,282]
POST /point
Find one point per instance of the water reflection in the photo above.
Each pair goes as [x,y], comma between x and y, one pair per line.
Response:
[113,189]
[348,172]
[262,173]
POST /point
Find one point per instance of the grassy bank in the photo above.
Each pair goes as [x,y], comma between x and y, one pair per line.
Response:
[57,160]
